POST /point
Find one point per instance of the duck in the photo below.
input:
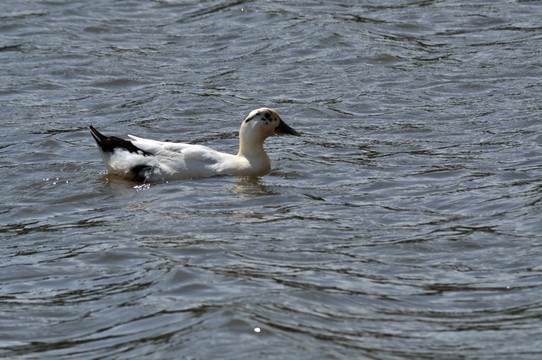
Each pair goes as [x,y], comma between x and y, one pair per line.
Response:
[151,161]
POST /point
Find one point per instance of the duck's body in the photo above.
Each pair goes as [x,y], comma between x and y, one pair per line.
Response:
[154,161]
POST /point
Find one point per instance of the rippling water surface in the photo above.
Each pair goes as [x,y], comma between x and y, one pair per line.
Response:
[404,224]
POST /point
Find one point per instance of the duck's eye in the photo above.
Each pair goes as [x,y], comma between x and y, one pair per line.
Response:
[268,118]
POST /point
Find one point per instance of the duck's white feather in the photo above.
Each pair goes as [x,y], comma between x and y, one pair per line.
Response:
[154,161]
[180,161]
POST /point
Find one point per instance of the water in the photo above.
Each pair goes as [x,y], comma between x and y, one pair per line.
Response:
[404,224]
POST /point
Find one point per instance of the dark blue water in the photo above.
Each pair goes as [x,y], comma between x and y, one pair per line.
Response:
[404,224]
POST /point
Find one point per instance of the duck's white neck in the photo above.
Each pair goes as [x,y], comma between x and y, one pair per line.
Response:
[252,149]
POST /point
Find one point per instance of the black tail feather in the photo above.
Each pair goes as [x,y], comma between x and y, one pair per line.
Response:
[110,143]
[98,136]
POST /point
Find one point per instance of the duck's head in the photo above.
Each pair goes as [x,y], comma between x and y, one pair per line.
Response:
[262,123]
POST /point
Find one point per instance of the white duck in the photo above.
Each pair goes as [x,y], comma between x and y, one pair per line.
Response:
[154,161]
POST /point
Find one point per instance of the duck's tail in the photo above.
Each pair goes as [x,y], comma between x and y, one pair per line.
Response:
[98,136]
[111,143]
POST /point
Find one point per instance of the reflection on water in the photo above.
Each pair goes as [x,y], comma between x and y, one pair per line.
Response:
[252,187]
[404,223]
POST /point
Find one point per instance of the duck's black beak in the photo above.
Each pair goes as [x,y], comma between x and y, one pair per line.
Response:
[283,128]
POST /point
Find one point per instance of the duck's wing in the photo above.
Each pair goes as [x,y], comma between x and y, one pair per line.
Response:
[176,150]
[179,160]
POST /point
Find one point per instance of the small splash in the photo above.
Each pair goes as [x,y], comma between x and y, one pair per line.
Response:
[56,181]
[257,329]
[142,187]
